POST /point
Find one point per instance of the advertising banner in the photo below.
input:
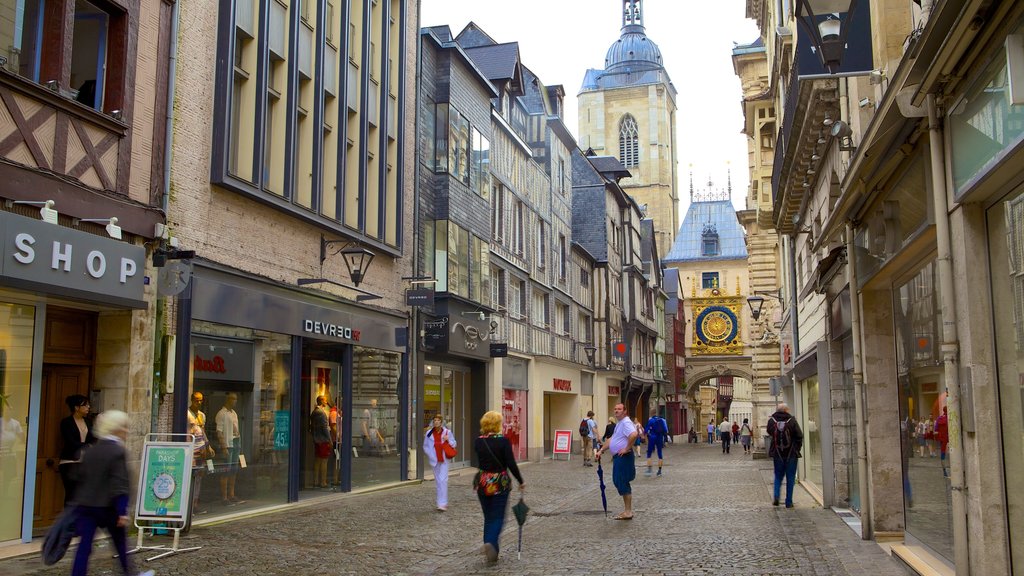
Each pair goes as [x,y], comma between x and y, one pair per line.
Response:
[514,418]
[164,481]
[563,442]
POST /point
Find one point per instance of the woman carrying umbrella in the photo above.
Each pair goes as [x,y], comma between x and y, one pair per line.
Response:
[492,482]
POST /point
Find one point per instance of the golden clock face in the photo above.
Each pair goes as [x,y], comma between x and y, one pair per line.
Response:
[716,325]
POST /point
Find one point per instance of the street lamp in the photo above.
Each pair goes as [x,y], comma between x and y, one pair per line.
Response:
[756,302]
[357,259]
[828,35]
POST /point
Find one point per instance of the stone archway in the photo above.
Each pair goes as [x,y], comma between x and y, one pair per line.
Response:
[700,370]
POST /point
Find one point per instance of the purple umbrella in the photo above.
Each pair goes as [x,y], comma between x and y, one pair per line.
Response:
[600,480]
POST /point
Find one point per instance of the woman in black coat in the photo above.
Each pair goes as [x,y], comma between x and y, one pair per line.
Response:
[75,433]
[495,458]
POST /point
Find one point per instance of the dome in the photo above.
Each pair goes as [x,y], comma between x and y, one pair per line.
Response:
[635,50]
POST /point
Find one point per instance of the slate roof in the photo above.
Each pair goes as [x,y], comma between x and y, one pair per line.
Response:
[610,167]
[497,62]
[722,215]
[473,35]
[588,207]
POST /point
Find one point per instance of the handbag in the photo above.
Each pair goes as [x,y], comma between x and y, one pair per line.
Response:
[488,483]
[449,451]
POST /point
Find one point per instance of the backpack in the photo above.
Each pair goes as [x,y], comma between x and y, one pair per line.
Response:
[584,428]
[664,426]
[782,438]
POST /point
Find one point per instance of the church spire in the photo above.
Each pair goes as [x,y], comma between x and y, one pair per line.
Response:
[632,13]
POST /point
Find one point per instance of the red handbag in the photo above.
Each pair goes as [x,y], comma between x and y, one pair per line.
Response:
[449,451]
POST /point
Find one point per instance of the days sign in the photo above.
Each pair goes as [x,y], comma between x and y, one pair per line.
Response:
[419,297]
[561,384]
[164,481]
[563,442]
[52,259]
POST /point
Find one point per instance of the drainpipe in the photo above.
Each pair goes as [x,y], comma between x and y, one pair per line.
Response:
[159,330]
[415,383]
[867,527]
[950,340]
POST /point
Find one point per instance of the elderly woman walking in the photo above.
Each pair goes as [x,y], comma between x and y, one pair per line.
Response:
[434,446]
[102,492]
[492,482]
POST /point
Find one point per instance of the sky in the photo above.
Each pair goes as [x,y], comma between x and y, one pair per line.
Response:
[560,39]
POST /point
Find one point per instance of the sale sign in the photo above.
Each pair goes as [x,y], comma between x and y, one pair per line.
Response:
[563,442]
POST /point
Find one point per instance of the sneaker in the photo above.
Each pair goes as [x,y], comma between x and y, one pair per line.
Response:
[491,553]
[442,508]
[647,472]
[659,471]
[147,573]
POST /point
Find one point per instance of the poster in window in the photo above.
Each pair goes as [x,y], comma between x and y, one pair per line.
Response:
[514,421]
[323,380]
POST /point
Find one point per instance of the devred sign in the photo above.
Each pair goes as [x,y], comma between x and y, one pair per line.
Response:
[563,442]
[562,384]
[613,390]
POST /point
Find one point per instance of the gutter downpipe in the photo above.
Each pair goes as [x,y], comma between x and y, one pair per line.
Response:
[416,459]
[950,340]
[159,329]
[867,526]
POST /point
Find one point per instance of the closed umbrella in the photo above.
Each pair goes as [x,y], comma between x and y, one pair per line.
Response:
[520,510]
[600,480]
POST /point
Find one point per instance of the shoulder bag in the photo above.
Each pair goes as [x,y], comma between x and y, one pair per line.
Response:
[488,483]
[449,451]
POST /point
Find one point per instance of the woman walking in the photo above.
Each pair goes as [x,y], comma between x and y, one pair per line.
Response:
[433,445]
[75,434]
[102,492]
[745,435]
[492,482]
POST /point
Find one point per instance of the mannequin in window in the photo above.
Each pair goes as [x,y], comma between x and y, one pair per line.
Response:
[320,428]
[373,442]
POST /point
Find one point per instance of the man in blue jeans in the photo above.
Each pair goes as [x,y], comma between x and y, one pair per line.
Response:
[787,440]
[623,461]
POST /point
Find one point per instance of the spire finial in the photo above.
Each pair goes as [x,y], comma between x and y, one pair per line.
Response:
[728,172]
[632,13]
[691,182]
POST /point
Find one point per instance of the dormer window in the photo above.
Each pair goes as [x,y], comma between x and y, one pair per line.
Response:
[709,245]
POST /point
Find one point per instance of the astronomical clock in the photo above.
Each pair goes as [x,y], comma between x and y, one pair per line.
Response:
[716,323]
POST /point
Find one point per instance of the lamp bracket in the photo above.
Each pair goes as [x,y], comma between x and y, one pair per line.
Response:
[326,245]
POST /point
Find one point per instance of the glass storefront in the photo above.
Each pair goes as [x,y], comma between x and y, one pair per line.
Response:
[923,419]
[447,391]
[375,409]
[17,327]
[244,376]
[321,378]
[515,416]
[1006,247]
[812,434]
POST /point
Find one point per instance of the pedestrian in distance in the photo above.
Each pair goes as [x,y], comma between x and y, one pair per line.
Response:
[942,437]
[76,435]
[735,432]
[711,432]
[609,429]
[641,437]
[746,433]
[101,496]
[657,432]
[588,435]
[492,481]
[786,441]
[433,446]
[725,430]
[623,462]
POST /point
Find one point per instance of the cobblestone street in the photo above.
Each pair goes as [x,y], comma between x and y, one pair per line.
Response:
[709,513]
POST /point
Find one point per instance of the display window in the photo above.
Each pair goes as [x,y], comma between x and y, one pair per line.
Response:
[1006,249]
[322,416]
[923,426]
[514,418]
[812,433]
[17,329]
[240,399]
[376,416]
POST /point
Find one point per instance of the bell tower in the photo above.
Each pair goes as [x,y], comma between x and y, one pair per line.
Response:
[628,110]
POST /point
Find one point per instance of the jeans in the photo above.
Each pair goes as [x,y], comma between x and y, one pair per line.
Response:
[726,442]
[493,508]
[89,519]
[785,468]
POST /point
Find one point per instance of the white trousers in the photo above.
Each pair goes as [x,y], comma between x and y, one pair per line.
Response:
[441,480]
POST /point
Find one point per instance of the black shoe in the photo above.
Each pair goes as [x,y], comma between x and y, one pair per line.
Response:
[789,505]
[775,502]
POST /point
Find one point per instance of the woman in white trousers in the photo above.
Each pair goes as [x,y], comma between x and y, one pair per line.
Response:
[433,446]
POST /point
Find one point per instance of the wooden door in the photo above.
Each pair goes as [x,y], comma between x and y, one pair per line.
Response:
[59,382]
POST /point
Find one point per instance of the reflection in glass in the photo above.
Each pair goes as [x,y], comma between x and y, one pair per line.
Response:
[375,409]
[1006,246]
[17,326]
[812,434]
[922,396]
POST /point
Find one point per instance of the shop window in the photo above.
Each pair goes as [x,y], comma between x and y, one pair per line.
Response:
[375,418]
[17,325]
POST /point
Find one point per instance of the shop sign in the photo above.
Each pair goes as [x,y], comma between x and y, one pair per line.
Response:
[499,349]
[470,339]
[419,297]
[221,359]
[562,384]
[563,442]
[282,428]
[164,480]
[328,329]
[614,391]
[56,260]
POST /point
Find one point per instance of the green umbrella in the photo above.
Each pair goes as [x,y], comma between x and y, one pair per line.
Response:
[520,510]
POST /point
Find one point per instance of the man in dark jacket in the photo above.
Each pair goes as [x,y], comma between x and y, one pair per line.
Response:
[787,440]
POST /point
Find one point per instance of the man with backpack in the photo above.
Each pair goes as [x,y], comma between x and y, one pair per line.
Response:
[787,440]
[588,434]
[657,431]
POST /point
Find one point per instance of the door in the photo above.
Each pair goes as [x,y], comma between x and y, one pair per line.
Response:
[59,382]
